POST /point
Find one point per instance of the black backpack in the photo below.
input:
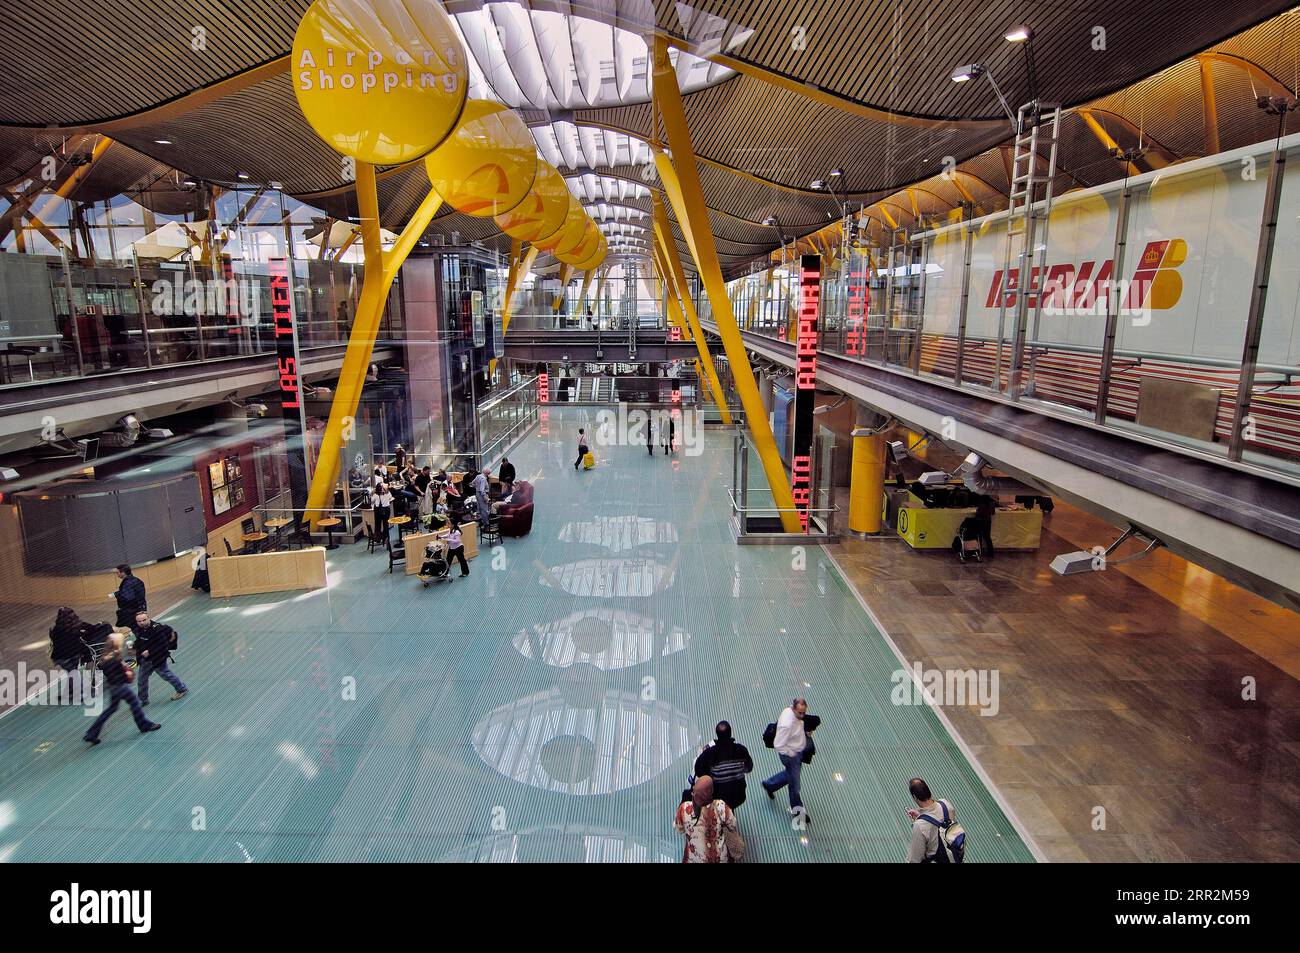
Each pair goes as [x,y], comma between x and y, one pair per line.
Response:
[769,735]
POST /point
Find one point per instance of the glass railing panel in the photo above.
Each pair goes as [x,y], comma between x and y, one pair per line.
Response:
[1271,424]
[1193,234]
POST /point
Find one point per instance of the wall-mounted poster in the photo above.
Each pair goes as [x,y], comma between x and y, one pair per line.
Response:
[220,500]
[232,469]
[216,475]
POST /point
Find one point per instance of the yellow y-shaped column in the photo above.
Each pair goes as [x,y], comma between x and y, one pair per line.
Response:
[381,270]
[566,275]
[667,250]
[520,264]
[707,376]
[682,185]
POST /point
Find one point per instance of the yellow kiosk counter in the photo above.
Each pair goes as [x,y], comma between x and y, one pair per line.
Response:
[922,527]
[415,544]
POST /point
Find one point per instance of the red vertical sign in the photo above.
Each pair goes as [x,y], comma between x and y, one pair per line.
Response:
[805,382]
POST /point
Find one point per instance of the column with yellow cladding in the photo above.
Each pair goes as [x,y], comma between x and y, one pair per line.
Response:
[866,480]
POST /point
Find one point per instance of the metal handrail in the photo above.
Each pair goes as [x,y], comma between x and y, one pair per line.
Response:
[737,508]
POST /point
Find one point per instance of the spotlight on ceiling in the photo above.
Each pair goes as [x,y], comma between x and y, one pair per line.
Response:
[1019,34]
[817,184]
[242,175]
[898,450]
[163,142]
[964,74]
[836,173]
[770,221]
[7,473]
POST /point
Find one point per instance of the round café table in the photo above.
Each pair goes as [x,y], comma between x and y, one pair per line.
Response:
[255,539]
[328,525]
[278,524]
[400,522]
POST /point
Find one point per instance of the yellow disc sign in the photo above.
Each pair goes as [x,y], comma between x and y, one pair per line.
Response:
[381,82]
[488,165]
[597,257]
[542,212]
[585,248]
[570,234]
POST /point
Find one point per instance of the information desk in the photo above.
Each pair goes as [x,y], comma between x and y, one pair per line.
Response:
[416,542]
[1014,527]
[267,572]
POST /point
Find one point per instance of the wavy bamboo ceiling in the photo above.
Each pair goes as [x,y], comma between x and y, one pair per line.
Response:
[777,93]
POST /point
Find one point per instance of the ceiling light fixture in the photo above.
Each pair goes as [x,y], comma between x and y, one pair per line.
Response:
[163,142]
[1019,34]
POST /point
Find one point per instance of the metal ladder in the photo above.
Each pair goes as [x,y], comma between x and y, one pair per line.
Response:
[1036,126]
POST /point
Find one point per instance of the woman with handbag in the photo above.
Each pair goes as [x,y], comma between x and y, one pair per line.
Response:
[709,827]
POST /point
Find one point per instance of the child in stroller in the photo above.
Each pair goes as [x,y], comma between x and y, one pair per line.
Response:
[436,565]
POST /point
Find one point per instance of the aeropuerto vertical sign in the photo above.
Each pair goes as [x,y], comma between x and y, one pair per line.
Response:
[288,366]
[805,383]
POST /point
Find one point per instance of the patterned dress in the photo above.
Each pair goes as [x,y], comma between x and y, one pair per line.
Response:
[706,832]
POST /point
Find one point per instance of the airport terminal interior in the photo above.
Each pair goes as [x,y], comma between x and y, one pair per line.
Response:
[425,423]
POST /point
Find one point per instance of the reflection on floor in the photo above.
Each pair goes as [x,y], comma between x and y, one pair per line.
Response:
[1121,705]
[547,708]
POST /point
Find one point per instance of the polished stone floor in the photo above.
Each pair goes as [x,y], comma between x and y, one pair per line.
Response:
[548,708]
[1144,715]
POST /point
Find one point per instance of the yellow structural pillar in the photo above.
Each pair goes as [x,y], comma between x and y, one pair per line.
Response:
[867,481]
[682,185]
[566,275]
[663,238]
[586,286]
[677,301]
[381,270]
[520,265]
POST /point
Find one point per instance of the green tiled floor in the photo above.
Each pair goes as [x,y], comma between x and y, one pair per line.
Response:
[547,708]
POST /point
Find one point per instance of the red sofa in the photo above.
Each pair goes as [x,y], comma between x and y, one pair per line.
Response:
[517,515]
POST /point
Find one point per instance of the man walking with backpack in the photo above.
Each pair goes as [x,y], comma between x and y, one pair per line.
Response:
[153,645]
[937,838]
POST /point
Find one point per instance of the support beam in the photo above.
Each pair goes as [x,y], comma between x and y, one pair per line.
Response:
[63,187]
[513,279]
[566,275]
[1210,108]
[676,276]
[586,286]
[381,270]
[682,184]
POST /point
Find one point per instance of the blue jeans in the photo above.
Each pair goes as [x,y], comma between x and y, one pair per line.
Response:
[119,694]
[147,668]
[789,774]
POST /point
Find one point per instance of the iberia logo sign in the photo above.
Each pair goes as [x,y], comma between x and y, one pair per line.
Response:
[1072,289]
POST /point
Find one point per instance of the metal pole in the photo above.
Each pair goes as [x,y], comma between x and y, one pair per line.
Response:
[920,309]
[1112,309]
[72,312]
[1258,295]
[967,241]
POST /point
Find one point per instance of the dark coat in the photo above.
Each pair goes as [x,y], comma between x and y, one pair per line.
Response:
[130,600]
[727,763]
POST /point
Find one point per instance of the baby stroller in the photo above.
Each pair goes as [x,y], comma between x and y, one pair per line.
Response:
[436,566]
